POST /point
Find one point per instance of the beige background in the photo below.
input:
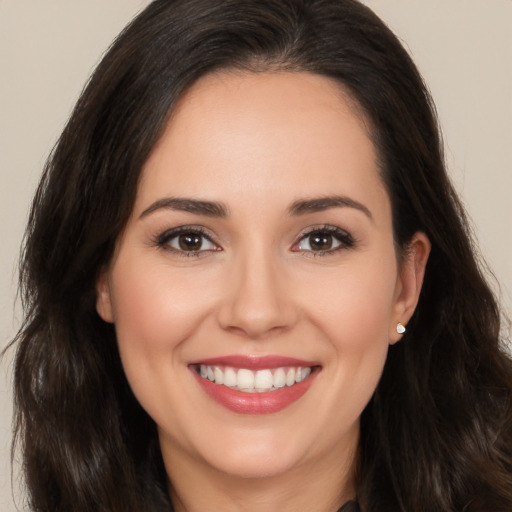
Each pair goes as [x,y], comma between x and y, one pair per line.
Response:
[49,47]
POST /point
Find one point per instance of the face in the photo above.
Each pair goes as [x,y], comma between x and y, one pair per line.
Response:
[255,289]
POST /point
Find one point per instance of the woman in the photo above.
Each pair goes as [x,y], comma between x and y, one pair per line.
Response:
[246,273]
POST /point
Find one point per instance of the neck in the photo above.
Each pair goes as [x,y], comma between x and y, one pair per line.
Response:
[322,485]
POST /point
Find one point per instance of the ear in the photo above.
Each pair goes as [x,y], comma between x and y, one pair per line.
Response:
[409,283]
[103,297]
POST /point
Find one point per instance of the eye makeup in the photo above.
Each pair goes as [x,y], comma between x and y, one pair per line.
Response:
[194,240]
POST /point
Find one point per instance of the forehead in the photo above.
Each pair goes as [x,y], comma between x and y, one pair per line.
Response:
[260,136]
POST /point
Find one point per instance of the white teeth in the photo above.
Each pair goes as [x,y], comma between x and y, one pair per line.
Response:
[290,377]
[245,379]
[301,374]
[258,381]
[219,376]
[279,378]
[230,377]
[263,379]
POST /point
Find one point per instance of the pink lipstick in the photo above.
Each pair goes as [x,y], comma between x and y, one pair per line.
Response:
[255,384]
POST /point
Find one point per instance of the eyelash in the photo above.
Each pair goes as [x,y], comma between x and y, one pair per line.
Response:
[346,241]
[163,240]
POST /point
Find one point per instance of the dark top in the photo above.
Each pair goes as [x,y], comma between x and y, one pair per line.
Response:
[350,506]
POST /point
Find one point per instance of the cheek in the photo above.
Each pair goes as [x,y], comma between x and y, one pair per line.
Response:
[355,311]
[155,309]
[355,303]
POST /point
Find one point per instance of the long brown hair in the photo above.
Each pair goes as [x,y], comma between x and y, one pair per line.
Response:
[436,436]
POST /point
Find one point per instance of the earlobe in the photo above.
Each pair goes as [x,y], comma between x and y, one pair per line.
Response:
[103,298]
[410,281]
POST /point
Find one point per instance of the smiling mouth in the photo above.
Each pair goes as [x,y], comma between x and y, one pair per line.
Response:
[255,384]
[254,381]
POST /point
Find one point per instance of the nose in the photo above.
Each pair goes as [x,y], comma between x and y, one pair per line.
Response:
[258,300]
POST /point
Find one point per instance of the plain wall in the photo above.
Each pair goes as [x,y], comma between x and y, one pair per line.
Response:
[49,47]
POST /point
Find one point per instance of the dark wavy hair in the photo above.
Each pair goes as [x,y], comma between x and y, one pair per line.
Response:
[437,434]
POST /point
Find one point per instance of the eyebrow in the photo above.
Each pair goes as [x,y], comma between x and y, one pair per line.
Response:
[319,204]
[209,208]
[217,209]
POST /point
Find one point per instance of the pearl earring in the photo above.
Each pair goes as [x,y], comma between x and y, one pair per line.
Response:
[400,329]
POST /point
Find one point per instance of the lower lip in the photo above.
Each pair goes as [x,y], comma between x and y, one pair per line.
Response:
[255,403]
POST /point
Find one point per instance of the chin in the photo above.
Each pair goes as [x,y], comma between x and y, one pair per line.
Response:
[254,453]
[257,466]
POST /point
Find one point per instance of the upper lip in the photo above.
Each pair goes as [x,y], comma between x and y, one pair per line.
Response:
[253,362]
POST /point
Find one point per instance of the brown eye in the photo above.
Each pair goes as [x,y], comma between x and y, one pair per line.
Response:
[190,242]
[320,241]
[325,240]
[186,241]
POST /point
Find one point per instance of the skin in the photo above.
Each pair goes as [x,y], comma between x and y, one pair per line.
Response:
[258,143]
